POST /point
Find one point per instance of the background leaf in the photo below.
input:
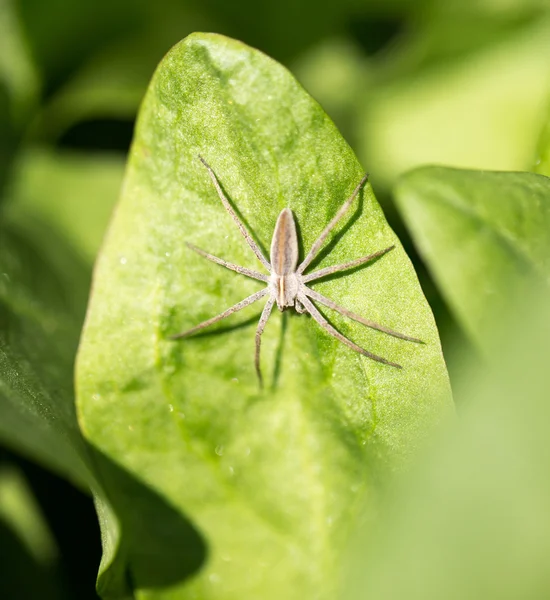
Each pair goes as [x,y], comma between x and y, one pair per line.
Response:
[42,295]
[51,226]
[272,479]
[485,237]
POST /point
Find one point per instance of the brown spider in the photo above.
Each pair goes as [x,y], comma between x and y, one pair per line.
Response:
[286,282]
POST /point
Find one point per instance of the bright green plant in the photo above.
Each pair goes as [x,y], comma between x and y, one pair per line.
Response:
[205,485]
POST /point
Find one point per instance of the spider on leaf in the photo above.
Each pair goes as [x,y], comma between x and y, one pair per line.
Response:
[286,283]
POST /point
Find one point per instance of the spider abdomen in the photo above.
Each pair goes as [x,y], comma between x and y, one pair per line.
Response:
[284,245]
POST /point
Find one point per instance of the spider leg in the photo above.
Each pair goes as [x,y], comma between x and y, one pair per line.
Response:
[240,305]
[324,234]
[312,310]
[228,265]
[349,265]
[299,307]
[261,326]
[244,231]
[347,313]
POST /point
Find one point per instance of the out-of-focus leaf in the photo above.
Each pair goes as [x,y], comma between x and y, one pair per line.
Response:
[482,112]
[27,548]
[43,290]
[485,237]
[270,478]
[72,193]
[473,521]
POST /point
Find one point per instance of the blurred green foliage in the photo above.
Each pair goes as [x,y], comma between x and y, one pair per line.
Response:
[461,84]
[471,521]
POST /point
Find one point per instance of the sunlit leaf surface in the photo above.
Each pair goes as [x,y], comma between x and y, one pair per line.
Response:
[271,479]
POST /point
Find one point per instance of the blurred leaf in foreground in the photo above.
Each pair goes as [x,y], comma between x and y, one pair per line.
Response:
[270,478]
[473,522]
[485,236]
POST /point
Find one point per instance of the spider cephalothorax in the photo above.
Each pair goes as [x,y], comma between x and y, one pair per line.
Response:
[286,282]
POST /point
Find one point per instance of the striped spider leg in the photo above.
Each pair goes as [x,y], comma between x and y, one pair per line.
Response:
[286,282]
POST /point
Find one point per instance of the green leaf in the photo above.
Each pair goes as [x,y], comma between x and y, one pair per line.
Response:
[485,237]
[270,478]
[473,521]
[42,297]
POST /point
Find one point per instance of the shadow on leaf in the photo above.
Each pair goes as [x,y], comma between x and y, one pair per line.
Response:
[159,546]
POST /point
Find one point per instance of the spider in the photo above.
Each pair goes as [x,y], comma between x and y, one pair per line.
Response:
[286,282]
